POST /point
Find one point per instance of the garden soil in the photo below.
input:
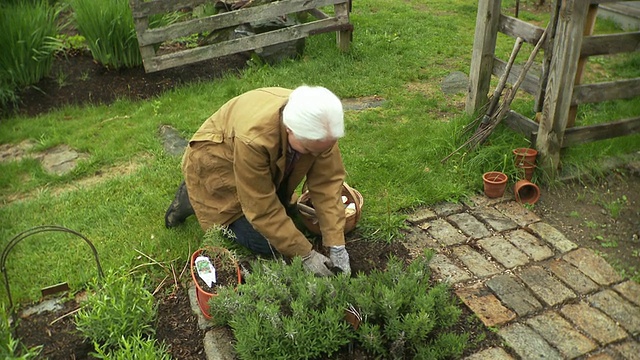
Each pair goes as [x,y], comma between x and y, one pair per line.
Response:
[602,215]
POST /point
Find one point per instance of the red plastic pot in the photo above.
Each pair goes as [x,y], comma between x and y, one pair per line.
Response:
[526,192]
[202,295]
[495,183]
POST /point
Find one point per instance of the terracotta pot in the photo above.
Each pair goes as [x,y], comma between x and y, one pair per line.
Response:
[526,192]
[525,156]
[202,295]
[495,183]
[526,172]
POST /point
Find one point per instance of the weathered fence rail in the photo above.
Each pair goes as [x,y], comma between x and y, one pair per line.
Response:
[149,38]
[556,83]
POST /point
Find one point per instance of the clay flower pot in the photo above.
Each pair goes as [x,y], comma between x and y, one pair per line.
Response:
[526,172]
[525,156]
[495,183]
[526,192]
[221,259]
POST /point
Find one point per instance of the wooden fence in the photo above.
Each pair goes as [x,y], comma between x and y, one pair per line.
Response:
[150,38]
[569,42]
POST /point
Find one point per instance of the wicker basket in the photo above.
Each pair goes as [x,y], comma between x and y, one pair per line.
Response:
[352,213]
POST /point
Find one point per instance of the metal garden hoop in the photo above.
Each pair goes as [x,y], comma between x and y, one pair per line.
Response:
[35,230]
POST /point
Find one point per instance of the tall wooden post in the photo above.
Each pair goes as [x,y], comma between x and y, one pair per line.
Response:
[562,73]
[343,37]
[484,46]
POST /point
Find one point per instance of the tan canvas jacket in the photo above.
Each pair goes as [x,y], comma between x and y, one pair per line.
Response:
[235,163]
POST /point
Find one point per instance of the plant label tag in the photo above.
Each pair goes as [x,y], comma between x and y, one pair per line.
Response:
[205,269]
[353,317]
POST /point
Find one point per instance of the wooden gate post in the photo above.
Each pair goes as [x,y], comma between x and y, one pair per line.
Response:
[562,73]
[484,46]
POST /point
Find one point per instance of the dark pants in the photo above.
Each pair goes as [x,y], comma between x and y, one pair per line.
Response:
[248,237]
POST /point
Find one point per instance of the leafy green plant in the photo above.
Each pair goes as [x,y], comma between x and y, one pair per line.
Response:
[118,306]
[28,43]
[137,347]
[10,347]
[107,26]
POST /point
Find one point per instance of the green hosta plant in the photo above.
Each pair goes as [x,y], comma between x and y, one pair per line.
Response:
[118,306]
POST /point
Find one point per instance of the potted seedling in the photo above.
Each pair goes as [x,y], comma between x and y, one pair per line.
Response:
[212,267]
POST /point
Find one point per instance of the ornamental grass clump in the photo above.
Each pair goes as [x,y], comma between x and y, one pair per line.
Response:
[107,26]
[28,41]
[118,307]
[285,312]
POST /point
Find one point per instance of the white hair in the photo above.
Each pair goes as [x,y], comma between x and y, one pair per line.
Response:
[314,113]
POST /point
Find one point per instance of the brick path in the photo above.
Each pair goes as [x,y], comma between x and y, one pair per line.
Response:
[546,297]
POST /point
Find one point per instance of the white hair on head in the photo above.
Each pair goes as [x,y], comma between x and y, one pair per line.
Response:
[314,113]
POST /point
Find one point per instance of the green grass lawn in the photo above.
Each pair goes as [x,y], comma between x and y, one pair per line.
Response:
[401,52]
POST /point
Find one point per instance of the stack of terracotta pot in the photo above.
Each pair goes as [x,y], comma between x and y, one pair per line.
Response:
[524,190]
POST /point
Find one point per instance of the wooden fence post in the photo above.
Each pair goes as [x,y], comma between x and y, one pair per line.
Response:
[562,74]
[484,45]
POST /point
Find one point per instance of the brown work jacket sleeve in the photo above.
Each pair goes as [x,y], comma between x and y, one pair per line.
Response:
[260,204]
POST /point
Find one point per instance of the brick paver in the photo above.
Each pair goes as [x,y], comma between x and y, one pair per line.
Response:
[502,250]
[550,290]
[515,295]
[561,334]
[593,266]
[594,323]
[527,343]
[620,310]
[475,262]
[571,276]
[548,298]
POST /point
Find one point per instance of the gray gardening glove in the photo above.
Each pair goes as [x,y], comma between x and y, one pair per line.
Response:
[340,258]
[317,263]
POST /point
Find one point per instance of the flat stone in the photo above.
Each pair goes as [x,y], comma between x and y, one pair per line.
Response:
[497,220]
[527,343]
[602,356]
[593,266]
[217,345]
[630,290]
[552,236]
[597,325]
[620,310]
[485,305]
[454,83]
[516,212]
[173,142]
[490,354]
[514,295]
[561,334]
[417,240]
[448,271]
[529,245]
[445,233]
[480,201]
[48,305]
[629,350]
[475,262]
[421,216]
[571,276]
[550,290]
[503,251]
[447,208]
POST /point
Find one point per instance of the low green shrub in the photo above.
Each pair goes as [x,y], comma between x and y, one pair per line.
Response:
[284,312]
[119,306]
[10,347]
[135,347]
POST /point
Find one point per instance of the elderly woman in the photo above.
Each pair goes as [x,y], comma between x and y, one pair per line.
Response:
[242,167]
